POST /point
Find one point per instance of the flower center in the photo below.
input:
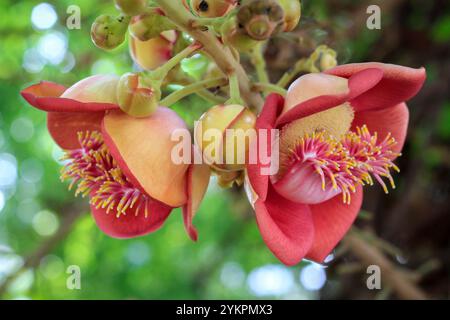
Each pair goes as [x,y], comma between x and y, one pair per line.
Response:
[95,172]
[357,158]
[336,122]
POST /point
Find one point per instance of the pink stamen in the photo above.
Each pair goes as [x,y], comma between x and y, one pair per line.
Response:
[344,164]
[95,172]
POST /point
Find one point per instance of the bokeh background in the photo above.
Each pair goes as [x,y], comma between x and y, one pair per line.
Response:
[44,229]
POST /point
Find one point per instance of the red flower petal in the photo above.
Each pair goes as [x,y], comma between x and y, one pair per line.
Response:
[286,227]
[143,148]
[332,220]
[358,83]
[399,84]
[132,225]
[390,120]
[46,96]
[266,120]
[64,126]
[198,177]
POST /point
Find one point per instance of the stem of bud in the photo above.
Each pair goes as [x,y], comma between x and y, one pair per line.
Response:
[161,72]
[191,89]
[235,92]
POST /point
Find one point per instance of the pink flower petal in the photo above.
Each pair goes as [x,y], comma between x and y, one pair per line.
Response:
[286,227]
[318,101]
[399,84]
[46,96]
[390,120]
[332,220]
[302,184]
[132,225]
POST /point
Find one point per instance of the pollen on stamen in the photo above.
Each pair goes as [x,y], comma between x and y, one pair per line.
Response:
[95,173]
[358,158]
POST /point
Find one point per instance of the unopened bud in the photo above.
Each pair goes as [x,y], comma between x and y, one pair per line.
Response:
[149,25]
[292,13]
[226,179]
[261,19]
[136,99]
[131,7]
[153,53]
[108,32]
[224,134]
[328,60]
[234,35]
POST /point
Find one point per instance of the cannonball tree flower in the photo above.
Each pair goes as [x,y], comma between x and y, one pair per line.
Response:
[338,131]
[122,163]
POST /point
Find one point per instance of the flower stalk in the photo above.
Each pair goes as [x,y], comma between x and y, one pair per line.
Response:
[195,88]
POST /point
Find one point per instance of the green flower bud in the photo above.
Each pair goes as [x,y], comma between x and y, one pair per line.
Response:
[292,13]
[235,36]
[261,19]
[108,32]
[149,25]
[135,98]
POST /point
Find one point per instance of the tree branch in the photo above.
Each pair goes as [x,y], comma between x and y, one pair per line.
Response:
[393,277]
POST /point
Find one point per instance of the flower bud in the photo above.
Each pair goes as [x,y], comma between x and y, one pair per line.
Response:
[131,7]
[149,25]
[224,134]
[108,32]
[155,52]
[261,19]
[134,98]
[236,36]
[292,13]
[328,60]
[212,8]
[226,179]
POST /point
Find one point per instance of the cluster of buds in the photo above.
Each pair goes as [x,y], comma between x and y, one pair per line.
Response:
[258,20]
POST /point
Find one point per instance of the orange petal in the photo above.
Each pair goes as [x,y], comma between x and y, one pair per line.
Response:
[96,93]
[197,183]
[143,147]
[94,89]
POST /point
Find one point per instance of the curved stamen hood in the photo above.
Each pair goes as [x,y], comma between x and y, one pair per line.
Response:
[321,166]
